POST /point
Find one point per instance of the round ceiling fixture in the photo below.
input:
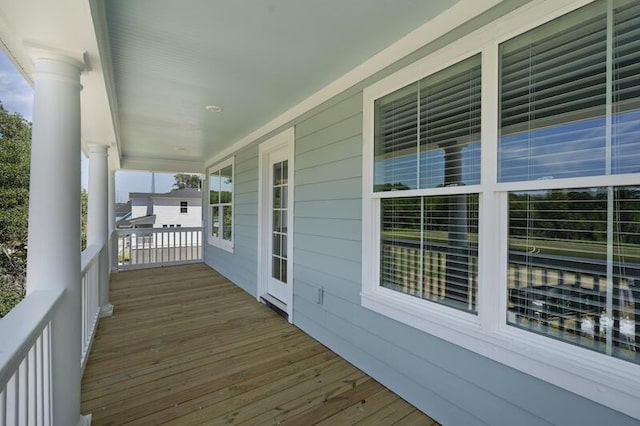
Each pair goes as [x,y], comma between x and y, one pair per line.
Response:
[213,108]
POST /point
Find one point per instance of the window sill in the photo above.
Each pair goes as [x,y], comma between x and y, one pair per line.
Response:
[221,244]
[606,380]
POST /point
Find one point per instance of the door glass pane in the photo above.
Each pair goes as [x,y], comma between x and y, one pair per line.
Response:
[285,172]
[276,244]
[275,269]
[277,174]
[283,222]
[283,271]
[283,245]
[277,226]
[277,197]
[284,196]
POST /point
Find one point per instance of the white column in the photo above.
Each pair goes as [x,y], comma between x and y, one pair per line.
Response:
[54,218]
[97,217]
[112,218]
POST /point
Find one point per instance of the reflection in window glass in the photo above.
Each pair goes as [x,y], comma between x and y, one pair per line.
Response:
[429,248]
[554,97]
[428,134]
[574,266]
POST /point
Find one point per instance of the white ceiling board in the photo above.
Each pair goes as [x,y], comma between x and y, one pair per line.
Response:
[255,58]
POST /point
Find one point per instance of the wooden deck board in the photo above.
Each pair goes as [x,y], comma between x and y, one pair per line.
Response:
[185,346]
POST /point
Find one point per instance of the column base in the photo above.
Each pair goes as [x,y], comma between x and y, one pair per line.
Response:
[106,310]
[84,420]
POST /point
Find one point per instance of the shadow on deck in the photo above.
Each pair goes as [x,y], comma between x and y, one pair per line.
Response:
[185,346]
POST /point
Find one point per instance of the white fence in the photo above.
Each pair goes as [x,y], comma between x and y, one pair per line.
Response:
[90,297]
[151,247]
[25,360]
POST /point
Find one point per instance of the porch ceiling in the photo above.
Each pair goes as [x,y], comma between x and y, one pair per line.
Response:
[254,58]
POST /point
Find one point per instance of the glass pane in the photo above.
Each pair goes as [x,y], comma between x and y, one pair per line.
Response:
[283,222]
[284,245]
[277,174]
[285,191]
[214,188]
[429,248]
[285,172]
[450,126]
[275,268]
[277,201]
[227,223]
[226,185]
[558,264]
[396,140]
[215,222]
[283,271]
[427,134]
[276,244]
[626,88]
[553,99]
[277,226]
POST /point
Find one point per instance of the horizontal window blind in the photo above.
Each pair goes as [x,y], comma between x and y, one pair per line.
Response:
[574,266]
[428,133]
[555,103]
[626,87]
[429,248]
[553,99]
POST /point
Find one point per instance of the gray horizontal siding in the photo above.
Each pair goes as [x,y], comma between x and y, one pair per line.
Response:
[241,266]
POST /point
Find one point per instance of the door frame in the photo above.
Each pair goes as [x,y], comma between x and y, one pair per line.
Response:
[277,142]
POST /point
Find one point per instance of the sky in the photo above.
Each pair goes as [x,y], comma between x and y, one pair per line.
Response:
[17,97]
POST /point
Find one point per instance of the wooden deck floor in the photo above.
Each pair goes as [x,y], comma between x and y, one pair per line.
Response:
[185,346]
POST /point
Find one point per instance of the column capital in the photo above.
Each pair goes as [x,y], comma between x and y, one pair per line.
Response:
[42,51]
[56,64]
[97,148]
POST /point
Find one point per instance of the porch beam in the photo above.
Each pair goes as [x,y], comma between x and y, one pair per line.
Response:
[97,217]
[53,260]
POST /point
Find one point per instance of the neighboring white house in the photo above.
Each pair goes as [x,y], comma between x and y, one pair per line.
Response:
[180,208]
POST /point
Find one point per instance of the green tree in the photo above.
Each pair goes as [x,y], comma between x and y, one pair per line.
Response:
[15,155]
[184,180]
[84,200]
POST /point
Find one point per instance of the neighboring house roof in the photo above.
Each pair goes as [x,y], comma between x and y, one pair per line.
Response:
[142,220]
[177,193]
[123,208]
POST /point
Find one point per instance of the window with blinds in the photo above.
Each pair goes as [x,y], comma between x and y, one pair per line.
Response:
[570,107]
[427,134]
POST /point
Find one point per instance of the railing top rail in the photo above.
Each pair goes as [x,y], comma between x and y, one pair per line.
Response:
[22,326]
[88,256]
[142,231]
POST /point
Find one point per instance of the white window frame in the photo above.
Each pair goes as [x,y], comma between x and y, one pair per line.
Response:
[186,207]
[221,243]
[606,380]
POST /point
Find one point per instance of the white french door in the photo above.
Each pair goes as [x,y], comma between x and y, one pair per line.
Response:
[276,221]
[277,240]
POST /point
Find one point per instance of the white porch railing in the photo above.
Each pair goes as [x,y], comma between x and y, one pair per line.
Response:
[151,247]
[26,340]
[90,297]
[25,360]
